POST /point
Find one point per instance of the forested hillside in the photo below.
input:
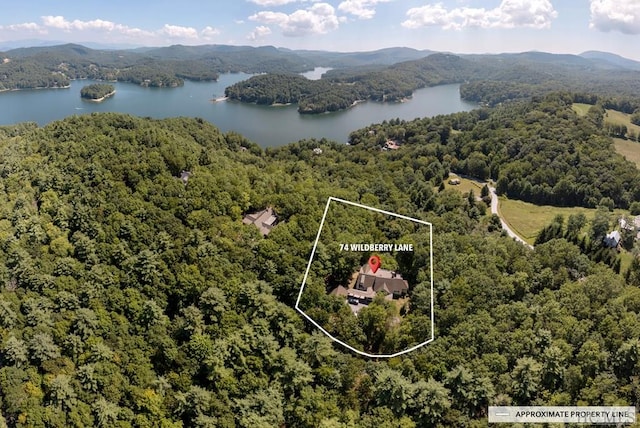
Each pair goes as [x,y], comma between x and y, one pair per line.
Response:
[487,79]
[132,298]
[340,89]
[53,66]
[539,151]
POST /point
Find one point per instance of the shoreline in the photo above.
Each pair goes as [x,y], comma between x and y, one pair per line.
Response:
[97,100]
[34,89]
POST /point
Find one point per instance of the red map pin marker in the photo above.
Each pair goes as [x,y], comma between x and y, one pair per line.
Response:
[374,263]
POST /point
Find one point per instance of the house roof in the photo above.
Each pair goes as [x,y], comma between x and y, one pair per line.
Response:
[383,280]
[614,235]
[390,285]
[340,291]
[635,223]
[264,220]
[612,239]
[392,145]
[365,281]
[184,176]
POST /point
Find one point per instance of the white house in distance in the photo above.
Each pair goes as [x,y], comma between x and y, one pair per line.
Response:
[612,240]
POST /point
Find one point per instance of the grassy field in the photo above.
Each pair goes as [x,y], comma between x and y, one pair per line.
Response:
[629,149]
[527,219]
[611,116]
[617,117]
[580,108]
[464,186]
[625,261]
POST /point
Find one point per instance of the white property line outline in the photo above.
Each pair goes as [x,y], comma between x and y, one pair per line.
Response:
[313,252]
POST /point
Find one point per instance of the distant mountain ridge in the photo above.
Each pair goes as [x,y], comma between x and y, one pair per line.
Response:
[612,58]
[304,60]
[389,74]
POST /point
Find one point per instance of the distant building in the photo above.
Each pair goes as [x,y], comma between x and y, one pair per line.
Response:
[184,176]
[264,220]
[454,181]
[391,145]
[612,240]
[633,225]
[317,151]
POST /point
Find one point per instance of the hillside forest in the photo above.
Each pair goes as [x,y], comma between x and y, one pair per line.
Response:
[130,297]
[487,79]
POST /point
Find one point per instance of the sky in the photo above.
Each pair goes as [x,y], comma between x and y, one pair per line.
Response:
[460,26]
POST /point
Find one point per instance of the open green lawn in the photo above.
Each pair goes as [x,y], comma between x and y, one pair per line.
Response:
[581,108]
[611,116]
[527,219]
[626,258]
[629,149]
[620,118]
[464,186]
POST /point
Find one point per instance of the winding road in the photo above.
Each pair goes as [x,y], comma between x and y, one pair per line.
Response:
[505,226]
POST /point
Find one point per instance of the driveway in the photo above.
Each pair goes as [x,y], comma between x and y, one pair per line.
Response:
[505,226]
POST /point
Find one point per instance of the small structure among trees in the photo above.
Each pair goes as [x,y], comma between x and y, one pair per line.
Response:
[264,220]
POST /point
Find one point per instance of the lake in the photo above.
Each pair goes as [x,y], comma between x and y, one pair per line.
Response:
[265,125]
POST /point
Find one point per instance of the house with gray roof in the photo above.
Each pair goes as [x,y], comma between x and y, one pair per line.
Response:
[264,220]
[368,284]
[612,240]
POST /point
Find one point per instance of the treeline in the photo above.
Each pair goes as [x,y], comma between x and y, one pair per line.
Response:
[538,151]
[96,91]
[590,242]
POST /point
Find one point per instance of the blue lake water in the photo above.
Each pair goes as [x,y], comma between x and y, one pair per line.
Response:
[267,126]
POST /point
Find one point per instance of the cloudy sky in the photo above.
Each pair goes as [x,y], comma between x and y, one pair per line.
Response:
[463,26]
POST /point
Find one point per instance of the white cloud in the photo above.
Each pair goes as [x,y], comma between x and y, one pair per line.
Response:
[318,19]
[272,2]
[27,26]
[209,33]
[363,9]
[259,32]
[509,14]
[616,15]
[60,23]
[56,22]
[114,32]
[178,32]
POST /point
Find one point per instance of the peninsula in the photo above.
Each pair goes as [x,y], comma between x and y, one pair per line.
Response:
[97,92]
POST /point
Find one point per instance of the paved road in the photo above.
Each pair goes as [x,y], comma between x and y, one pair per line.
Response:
[505,226]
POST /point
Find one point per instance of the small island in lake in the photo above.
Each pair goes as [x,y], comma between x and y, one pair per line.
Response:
[97,91]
